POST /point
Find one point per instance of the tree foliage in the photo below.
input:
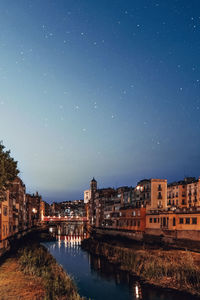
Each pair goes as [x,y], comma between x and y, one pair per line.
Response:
[8,168]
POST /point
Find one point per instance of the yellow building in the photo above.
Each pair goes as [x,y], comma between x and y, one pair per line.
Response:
[193,193]
[151,193]
[4,220]
[181,223]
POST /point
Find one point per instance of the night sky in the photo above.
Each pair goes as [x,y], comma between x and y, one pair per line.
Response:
[108,88]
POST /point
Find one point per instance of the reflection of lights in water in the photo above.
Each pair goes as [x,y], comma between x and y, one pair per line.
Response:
[70,241]
[99,263]
[137,290]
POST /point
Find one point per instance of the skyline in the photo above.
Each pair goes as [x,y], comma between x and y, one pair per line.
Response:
[109,90]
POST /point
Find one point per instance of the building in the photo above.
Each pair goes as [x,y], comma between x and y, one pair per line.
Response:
[17,204]
[193,192]
[33,209]
[151,193]
[132,218]
[87,196]
[4,218]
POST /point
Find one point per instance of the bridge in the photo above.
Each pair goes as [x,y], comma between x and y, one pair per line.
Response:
[66,226]
[63,219]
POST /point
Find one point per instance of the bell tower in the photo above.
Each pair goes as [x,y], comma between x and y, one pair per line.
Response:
[93,186]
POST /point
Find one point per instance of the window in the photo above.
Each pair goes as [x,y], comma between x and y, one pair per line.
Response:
[158,220]
[174,221]
[194,220]
[138,213]
[138,223]
[164,221]
[150,220]
[154,220]
[187,221]
[5,211]
[181,221]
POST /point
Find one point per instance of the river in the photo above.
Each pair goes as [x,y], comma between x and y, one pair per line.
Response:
[98,279]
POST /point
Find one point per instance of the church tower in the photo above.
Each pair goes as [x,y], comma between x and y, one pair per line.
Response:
[93,186]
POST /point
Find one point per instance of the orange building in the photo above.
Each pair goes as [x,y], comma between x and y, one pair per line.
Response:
[132,219]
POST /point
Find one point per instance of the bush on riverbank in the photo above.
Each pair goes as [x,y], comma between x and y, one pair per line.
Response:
[173,268]
[36,260]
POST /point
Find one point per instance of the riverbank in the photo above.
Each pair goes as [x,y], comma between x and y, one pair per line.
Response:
[175,269]
[14,284]
[29,271]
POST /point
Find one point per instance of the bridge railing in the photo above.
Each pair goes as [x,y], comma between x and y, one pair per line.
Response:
[59,219]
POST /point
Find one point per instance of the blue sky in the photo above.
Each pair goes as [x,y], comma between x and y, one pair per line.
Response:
[108,89]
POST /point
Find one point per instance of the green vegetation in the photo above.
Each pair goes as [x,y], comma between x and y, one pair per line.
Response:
[8,168]
[36,260]
[172,268]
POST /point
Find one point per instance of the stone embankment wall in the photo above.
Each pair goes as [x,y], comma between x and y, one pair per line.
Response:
[182,239]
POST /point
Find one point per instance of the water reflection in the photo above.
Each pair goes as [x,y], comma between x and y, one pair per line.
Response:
[138,291]
[109,271]
[98,279]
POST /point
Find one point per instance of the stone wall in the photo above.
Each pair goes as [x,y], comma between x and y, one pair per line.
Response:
[138,236]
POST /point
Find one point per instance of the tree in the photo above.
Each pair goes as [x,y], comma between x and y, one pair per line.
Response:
[8,168]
